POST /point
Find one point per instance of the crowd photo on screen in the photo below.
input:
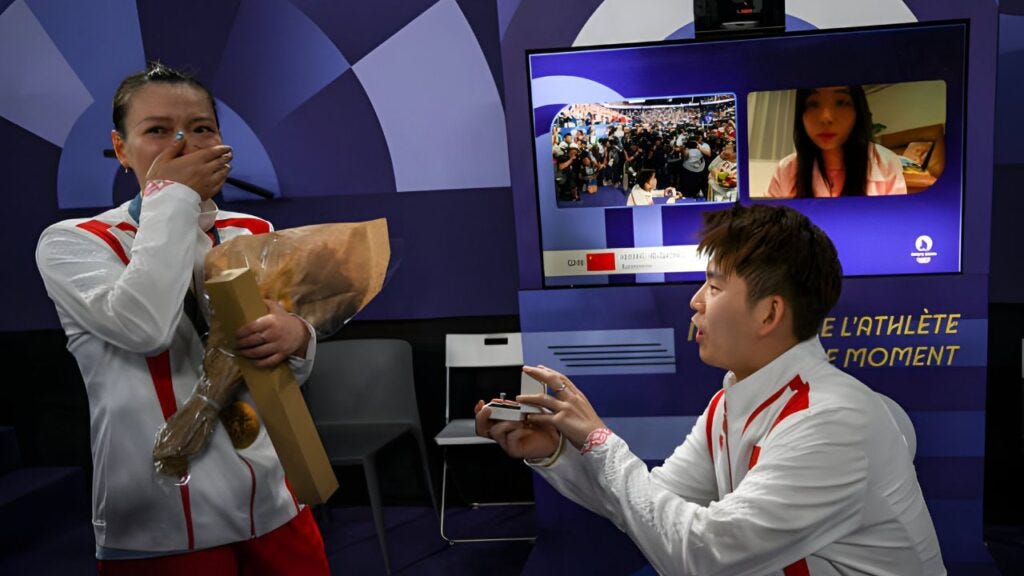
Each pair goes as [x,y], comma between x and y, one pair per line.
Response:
[643,152]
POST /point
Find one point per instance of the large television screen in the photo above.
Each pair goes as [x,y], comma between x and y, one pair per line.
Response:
[861,129]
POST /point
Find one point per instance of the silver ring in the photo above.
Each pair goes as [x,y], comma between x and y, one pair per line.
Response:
[561,388]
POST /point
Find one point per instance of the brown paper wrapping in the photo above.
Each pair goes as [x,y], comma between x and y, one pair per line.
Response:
[324,273]
[235,297]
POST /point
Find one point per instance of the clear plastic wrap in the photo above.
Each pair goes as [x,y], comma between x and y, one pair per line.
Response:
[324,273]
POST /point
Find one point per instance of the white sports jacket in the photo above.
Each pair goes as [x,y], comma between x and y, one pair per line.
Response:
[118,281]
[799,470]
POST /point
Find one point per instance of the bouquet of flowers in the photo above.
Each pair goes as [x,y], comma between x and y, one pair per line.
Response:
[324,273]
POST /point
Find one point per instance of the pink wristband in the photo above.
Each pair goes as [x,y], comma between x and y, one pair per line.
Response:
[154,186]
[596,437]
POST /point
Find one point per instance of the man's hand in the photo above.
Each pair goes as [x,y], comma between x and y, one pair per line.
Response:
[272,338]
[571,412]
[518,439]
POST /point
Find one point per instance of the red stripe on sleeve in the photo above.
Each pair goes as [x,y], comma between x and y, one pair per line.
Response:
[102,230]
[254,225]
[159,365]
[771,400]
[798,568]
[754,453]
[710,420]
[160,372]
[796,403]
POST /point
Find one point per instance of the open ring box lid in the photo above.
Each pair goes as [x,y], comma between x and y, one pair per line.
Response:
[502,409]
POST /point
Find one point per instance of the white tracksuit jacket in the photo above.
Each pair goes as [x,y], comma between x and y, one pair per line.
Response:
[118,284]
[798,469]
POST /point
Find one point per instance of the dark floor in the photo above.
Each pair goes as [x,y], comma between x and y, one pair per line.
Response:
[1006,544]
[415,545]
[414,542]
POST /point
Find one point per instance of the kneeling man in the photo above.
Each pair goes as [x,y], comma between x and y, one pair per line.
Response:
[795,467]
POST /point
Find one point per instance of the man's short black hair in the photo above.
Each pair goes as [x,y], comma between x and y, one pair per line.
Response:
[776,250]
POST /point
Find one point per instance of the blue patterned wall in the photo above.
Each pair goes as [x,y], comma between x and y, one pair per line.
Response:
[344,110]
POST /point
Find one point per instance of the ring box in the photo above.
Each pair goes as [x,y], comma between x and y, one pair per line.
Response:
[502,409]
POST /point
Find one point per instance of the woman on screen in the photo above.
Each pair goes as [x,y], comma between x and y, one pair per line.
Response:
[834,153]
[645,190]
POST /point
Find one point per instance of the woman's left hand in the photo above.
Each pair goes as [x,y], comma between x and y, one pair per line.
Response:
[571,412]
[272,338]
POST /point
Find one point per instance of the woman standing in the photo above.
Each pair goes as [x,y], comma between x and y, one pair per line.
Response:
[119,281]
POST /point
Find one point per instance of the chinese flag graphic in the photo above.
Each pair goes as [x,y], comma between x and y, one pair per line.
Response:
[601,262]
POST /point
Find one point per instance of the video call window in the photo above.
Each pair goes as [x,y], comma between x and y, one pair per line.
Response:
[645,152]
[841,141]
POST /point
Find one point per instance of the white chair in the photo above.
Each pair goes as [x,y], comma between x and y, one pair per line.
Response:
[474,351]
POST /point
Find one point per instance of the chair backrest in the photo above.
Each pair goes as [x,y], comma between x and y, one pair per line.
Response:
[480,350]
[902,421]
[362,381]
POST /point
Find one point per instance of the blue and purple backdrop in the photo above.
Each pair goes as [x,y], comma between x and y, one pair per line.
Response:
[346,111]
[417,110]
